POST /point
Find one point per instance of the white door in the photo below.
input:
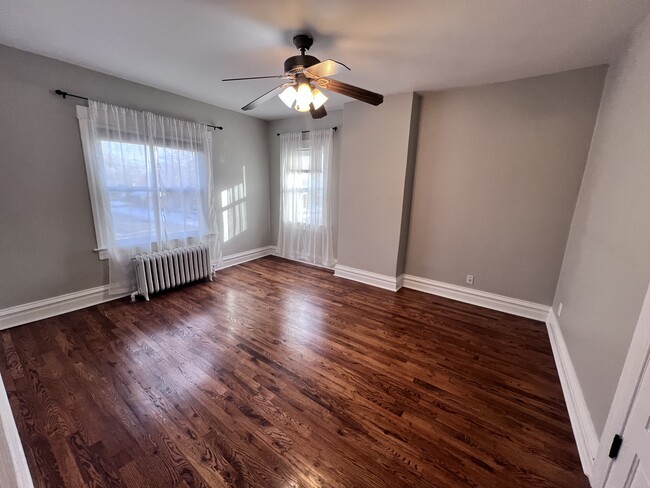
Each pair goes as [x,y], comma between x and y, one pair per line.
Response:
[631,467]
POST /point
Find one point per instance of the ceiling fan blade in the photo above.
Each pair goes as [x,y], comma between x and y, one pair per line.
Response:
[255,78]
[264,98]
[350,91]
[329,67]
[317,113]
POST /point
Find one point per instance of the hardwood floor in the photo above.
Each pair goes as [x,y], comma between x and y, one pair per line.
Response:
[277,374]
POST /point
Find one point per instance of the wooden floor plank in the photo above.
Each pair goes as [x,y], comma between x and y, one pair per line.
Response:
[279,374]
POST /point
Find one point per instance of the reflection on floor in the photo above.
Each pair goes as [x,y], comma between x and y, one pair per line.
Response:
[277,374]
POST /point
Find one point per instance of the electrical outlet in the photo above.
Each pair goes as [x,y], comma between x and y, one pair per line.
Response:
[559,309]
[469,280]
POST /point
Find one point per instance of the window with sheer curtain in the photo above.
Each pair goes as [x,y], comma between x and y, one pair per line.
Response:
[133,171]
[305,228]
[304,189]
[150,184]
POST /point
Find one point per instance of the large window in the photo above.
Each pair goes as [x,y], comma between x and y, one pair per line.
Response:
[148,177]
[135,199]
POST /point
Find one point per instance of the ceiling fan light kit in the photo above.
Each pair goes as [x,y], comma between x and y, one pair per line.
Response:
[305,71]
[302,97]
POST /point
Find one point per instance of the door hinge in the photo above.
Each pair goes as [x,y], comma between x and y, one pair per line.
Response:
[616,446]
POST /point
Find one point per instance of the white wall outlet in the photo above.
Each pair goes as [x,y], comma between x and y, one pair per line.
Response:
[469,280]
[559,309]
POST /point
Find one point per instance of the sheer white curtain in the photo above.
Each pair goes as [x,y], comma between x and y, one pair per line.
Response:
[306,221]
[150,179]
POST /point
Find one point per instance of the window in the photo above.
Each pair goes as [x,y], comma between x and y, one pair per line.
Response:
[303,188]
[148,183]
[131,191]
[306,226]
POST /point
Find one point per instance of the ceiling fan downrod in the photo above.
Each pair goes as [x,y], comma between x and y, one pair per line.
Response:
[296,64]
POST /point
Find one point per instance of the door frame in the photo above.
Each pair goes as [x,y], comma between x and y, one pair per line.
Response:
[636,362]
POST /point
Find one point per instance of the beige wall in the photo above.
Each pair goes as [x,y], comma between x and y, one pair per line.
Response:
[300,123]
[496,180]
[46,231]
[606,268]
[374,161]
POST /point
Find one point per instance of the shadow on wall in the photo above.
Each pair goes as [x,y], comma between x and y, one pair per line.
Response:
[233,209]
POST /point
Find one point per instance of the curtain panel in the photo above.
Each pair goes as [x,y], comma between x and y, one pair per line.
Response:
[151,185]
[306,220]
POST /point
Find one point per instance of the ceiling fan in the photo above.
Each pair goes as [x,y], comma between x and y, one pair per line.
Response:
[305,75]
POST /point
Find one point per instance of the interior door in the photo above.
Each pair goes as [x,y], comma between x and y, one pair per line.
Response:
[631,468]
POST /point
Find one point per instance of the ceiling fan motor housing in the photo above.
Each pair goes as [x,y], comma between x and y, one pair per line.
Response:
[298,63]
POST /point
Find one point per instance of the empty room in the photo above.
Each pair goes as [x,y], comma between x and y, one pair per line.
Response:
[337,244]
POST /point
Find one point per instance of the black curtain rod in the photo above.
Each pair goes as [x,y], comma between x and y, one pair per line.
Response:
[307,131]
[63,94]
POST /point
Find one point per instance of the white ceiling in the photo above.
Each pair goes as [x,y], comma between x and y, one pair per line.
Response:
[392,46]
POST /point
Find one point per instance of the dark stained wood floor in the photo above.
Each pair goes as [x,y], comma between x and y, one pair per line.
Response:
[277,374]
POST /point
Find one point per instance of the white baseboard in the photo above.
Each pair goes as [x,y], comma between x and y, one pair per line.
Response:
[386,282]
[245,256]
[581,423]
[276,253]
[50,307]
[514,306]
[42,309]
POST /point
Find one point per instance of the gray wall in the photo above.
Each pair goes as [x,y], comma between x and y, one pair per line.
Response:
[496,181]
[374,161]
[46,230]
[300,123]
[606,268]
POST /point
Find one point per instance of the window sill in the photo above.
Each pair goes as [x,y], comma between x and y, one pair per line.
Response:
[103,254]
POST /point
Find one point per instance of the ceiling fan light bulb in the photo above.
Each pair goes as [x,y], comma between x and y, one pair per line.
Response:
[302,108]
[318,98]
[288,96]
[304,96]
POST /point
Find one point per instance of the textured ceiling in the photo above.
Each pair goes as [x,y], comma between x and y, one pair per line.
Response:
[392,46]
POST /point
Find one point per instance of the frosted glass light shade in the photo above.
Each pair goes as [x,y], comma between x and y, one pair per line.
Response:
[288,96]
[318,98]
[303,97]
